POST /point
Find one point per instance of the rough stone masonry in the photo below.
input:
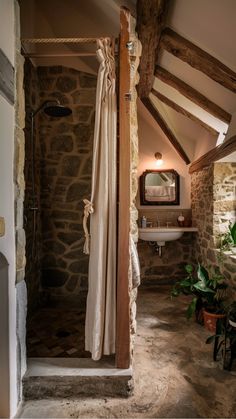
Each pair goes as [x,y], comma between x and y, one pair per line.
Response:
[63,164]
[66,170]
[213,207]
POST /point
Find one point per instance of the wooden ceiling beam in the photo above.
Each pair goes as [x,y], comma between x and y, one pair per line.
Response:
[198,59]
[164,127]
[183,111]
[192,94]
[151,18]
[217,153]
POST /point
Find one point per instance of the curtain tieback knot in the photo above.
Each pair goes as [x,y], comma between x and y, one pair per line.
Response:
[88,209]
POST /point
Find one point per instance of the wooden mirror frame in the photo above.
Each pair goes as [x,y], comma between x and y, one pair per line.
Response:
[142,178]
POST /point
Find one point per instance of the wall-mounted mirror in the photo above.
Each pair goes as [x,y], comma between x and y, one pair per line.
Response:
[159,187]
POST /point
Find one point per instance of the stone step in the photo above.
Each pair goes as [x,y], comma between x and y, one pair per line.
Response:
[75,377]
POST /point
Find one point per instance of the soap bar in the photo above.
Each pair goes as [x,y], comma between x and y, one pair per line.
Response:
[2,227]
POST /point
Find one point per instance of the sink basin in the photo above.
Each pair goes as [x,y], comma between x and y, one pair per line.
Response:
[160,234]
[163,234]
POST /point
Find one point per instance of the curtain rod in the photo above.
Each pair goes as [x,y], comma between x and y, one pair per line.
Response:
[53,55]
[61,40]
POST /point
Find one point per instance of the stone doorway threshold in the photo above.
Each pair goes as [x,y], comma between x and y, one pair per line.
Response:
[75,377]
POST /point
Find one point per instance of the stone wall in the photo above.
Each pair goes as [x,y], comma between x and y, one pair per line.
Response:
[224,195]
[202,213]
[33,241]
[66,168]
[213,206]
[169,267]
[163,216]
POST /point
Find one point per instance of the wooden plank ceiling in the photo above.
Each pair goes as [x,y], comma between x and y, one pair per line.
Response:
[155,37]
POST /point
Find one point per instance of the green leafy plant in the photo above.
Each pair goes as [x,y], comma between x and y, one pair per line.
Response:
[213,290]
[232,229]
[228,240]
[208,291]
[186,287]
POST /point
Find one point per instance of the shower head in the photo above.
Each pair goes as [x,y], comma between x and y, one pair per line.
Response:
[56,109]
[53,108]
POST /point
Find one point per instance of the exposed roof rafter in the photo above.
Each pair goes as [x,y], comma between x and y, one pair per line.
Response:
[217,153]
[192,94]
[198,59]
[151,19]
[164,127]
[183,111]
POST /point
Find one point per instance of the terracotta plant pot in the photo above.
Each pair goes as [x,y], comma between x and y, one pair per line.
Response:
[199,316]
[210,320]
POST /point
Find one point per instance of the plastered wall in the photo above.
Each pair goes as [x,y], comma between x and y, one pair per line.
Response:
[151,140]
[8,393]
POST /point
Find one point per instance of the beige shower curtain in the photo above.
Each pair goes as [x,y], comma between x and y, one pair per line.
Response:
[100,325]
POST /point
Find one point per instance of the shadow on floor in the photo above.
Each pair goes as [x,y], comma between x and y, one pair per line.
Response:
[57,330]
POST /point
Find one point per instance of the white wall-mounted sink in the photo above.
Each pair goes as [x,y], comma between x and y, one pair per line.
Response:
[163,234]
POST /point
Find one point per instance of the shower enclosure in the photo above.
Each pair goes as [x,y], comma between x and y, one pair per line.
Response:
[60,105]
[53,109]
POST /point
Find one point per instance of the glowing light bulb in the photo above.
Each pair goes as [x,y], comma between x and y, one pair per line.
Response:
[159,160]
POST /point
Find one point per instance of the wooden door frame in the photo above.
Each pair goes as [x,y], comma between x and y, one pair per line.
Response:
[123,261]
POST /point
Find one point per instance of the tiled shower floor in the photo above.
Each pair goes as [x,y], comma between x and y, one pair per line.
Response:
[57,331]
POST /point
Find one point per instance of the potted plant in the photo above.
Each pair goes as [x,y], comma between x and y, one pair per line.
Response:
[209,294]
[228,240]
[186,287]
[224,338]
[213,289]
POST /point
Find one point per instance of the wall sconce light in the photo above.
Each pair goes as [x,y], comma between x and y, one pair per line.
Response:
[159,160]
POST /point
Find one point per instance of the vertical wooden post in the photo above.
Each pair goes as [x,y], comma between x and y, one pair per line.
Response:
[123,299]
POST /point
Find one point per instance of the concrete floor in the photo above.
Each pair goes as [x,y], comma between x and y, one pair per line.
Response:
[175,376]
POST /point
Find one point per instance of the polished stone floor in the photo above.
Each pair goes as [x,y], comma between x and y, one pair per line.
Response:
[175,376]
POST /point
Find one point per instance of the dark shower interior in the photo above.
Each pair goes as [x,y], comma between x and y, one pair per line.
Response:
[56,268]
